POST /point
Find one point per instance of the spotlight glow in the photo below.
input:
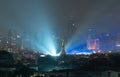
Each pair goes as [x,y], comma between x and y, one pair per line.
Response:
[47,46]
[54,54]
[44,41]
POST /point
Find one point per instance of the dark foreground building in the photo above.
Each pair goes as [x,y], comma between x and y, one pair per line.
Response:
[6,62]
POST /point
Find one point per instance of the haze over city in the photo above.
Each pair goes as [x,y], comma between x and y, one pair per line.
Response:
[59,34]
[67,19]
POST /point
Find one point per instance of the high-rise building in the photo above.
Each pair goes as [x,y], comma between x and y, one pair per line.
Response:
[18,42]
[13,40]
[6,42]
[93,44]
[2,42]
[117,44]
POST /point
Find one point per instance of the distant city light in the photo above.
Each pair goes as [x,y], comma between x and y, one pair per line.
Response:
[18,36]
[109,51]
[84,53]
[73,24]
[118,45]
[94,52]
[7,42]
[42,55]
[99,51]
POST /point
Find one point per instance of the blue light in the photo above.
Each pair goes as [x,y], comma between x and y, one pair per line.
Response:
[44,41]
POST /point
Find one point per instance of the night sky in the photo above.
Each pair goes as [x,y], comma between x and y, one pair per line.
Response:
[29,14]
[63,18]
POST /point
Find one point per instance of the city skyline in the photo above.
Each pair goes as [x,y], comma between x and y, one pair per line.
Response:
[71,20]
[15,42]
[59,38]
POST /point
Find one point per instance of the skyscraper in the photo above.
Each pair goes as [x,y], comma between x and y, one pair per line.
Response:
[117,44]
[12,41]
[2,39]
[93,43]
